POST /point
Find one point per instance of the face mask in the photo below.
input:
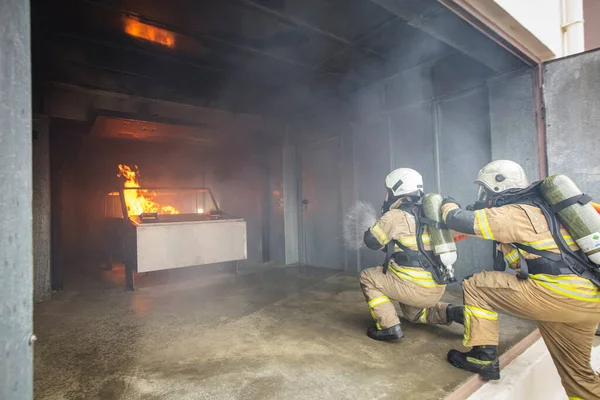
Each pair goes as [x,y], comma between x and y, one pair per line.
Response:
[482,194]
[387,203]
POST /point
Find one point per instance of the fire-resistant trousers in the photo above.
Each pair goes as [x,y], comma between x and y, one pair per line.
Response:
[567,322]
[418,303]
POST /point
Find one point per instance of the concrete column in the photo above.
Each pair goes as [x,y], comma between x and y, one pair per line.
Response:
[16,370]
[41,209]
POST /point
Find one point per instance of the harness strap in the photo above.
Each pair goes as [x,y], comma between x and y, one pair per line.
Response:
[427,260]
[432,223]
[499,264]
[580,198]
[389,252]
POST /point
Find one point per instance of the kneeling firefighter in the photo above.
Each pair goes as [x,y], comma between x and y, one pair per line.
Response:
[557,277]
[412,274]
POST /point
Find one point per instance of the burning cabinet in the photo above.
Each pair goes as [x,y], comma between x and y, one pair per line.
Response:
[147,236]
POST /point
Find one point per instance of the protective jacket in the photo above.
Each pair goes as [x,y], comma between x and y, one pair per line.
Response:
[407,242]
[512,225]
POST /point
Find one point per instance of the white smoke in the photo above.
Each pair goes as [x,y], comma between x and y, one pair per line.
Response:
[360,217]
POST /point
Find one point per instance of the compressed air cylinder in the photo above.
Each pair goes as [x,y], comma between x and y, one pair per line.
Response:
[581,221]
[442,241]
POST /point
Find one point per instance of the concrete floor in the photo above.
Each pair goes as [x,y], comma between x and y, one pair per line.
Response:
[280,333]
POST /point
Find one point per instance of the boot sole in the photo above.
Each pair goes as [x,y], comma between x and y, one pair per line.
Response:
[487,374]
[387,338]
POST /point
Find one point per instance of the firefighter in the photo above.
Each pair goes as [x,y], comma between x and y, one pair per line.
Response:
[565,305]
[410,280]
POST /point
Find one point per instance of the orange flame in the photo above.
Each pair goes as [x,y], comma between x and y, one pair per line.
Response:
[140,201]
[144,31]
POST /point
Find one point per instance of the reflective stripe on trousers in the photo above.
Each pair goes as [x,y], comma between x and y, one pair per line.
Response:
[417,276]
[571,286]
[471,311]
[374,303]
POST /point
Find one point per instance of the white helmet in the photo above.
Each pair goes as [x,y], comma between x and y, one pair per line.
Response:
[403,181]
[499,176]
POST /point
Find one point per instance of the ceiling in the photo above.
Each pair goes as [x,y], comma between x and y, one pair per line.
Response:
[269,57]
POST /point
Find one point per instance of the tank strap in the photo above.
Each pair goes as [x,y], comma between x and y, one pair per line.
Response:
[432,223]
[582,199]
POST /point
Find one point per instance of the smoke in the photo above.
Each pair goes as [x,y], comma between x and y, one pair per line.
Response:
[360,217]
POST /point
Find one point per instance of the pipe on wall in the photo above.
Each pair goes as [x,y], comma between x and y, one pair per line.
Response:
[572,27]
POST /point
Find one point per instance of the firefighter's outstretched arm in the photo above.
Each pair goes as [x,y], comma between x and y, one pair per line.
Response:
[379,235]
[488,223]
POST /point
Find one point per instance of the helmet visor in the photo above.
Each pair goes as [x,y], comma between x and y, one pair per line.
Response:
[483,193]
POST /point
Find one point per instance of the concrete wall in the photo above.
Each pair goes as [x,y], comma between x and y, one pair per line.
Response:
[41,209]
[571,95]
[512,120]
[16,262]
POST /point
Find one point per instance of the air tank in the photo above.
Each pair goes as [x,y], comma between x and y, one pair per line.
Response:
[580,220]
[442,241]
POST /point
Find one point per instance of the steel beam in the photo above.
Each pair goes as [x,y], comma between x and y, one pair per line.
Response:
[299,23]
[439,22]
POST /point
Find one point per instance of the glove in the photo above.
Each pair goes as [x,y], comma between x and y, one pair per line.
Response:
[450,200]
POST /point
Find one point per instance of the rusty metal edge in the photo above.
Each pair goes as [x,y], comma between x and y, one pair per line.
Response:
[475,382]
[540,119]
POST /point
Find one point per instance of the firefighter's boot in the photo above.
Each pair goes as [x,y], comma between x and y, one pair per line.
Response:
[481,359]
[391,333]
[455,314]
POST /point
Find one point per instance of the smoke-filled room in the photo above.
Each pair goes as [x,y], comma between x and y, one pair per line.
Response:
[290,199]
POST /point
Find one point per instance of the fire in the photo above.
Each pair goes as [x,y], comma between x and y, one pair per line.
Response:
[140,201]
[144,31]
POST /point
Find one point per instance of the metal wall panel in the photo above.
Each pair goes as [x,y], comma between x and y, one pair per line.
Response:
[291,205]
[348,190]
[371,165]
[572,98]
[41,209]
[512,120]
[240,193]
[465,147]
[321,215]
[16,260]
[413,142]
[277,231]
